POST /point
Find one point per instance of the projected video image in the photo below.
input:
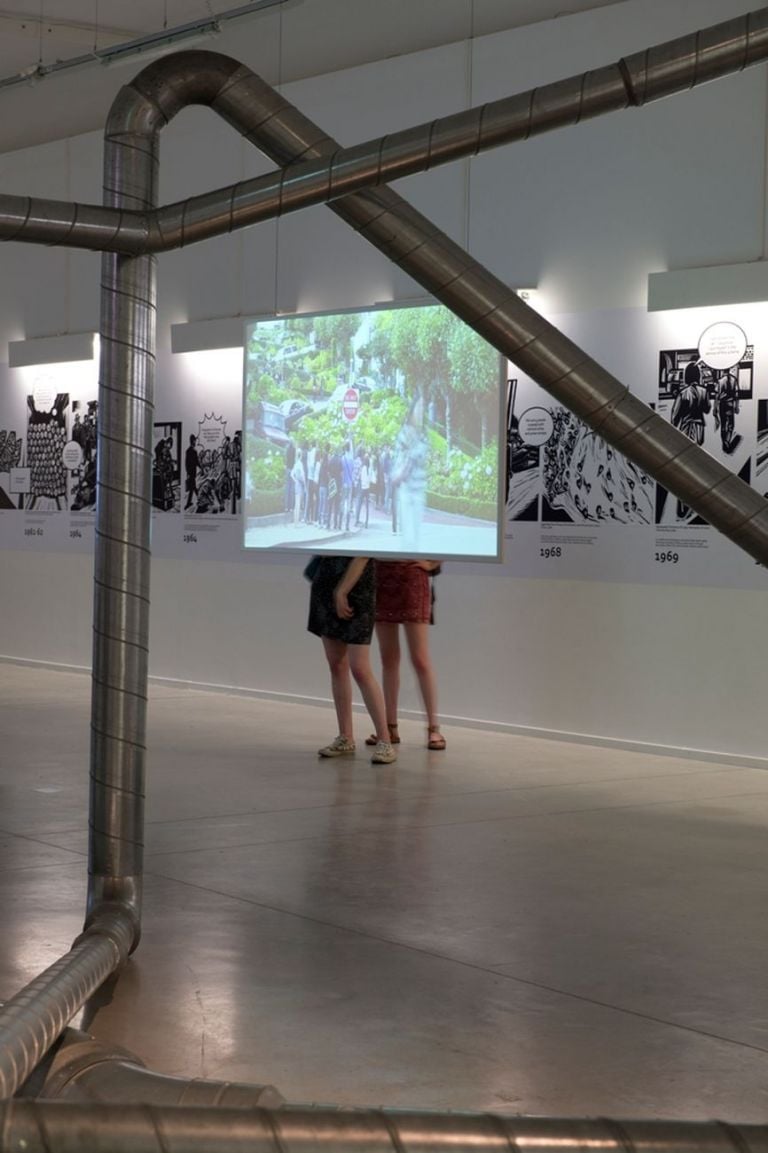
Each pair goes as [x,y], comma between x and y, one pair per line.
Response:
[373,433]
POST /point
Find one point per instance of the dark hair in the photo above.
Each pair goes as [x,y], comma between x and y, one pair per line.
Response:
[692,373]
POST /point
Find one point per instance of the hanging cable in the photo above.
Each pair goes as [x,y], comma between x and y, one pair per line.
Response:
[278,87]
[469,92]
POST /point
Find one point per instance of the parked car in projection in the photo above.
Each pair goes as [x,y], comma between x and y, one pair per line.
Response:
[276,422]
[294,410]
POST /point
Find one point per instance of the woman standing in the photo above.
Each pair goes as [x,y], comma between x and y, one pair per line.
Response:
[404,596]
[341,612]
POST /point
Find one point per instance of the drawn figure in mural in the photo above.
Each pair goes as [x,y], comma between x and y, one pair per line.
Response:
[409,475]
[191,464]
[78,431]
[163,493]
[229,463]
[726,409]
[90,431]
[84,493]
[522,480]
[46,439]
[689,410]
[216,478]
[10,457]
[237,467]
[691,405]
[84,433]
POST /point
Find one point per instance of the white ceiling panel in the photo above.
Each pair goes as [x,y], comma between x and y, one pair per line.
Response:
[44,97]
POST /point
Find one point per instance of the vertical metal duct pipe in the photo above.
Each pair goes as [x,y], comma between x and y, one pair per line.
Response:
[121,572]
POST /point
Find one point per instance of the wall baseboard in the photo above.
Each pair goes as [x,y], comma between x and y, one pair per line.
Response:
[740,760]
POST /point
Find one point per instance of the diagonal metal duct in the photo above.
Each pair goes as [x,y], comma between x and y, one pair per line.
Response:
[32,1020]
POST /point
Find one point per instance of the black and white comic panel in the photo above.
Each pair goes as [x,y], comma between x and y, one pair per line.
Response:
[526,433]
[46,440]
[166,467]
[707,392]
[761,457]
[80,456]
[580,479]
[13,479]
[213,468]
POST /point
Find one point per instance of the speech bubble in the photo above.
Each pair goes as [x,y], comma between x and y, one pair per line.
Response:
[722,345]
[44,393]
[211,430]
[72,455]
[535,425]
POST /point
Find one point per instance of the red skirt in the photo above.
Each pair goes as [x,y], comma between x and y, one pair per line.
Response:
[403,593]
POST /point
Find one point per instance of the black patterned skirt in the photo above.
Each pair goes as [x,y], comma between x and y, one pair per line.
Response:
[323,619]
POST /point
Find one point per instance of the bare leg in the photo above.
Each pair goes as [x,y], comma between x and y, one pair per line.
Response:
[388,635]
[337,655]
[417,635]
[360,664]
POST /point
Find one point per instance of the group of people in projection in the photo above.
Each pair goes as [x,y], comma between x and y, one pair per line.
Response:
[339,490]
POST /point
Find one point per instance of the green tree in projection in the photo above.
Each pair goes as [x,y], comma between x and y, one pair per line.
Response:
[298,329]
[411,343]
[378,355]
[474,373]
[333,335]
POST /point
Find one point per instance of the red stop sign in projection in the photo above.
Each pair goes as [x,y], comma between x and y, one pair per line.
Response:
[350,405]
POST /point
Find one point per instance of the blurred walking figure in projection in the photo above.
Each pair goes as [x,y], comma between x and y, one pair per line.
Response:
[409,476]
[299,478]
[341,612]
[405,596]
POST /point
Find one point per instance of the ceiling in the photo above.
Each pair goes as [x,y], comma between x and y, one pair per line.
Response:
[45,96]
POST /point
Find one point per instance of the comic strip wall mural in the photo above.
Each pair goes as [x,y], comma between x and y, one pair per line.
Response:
[574,508]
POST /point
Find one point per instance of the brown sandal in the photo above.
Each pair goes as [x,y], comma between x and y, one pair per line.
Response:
[435,739]
[394,736]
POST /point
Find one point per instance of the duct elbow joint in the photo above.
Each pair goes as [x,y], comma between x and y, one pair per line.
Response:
[114,911]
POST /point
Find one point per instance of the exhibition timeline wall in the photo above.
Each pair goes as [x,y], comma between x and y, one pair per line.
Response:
[573,507]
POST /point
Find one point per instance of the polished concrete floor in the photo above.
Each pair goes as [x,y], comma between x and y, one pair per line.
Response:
[515,924]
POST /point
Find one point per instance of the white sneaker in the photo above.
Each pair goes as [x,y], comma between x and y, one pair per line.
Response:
[339,747]
[384,753]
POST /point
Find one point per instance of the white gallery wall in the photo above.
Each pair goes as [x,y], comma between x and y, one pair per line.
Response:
[583,214]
